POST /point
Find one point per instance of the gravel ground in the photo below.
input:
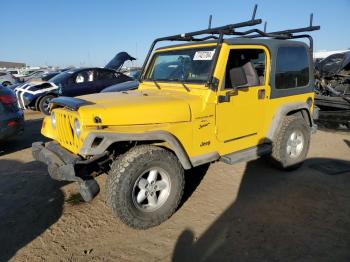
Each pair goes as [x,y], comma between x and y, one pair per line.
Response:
[245,212]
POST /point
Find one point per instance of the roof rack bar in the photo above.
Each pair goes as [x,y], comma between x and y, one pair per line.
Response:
[298,30]
[215,30]
[311,40]
[221,30]
[260,33]
[285,33]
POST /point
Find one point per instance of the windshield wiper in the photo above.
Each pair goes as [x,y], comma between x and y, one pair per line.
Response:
[155,83]
[183,84]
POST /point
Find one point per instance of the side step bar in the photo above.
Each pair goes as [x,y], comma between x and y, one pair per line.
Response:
[247,154]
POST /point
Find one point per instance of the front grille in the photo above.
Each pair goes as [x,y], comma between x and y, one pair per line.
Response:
[65,133]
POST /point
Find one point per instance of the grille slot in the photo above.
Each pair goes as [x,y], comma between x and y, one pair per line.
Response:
[66,136]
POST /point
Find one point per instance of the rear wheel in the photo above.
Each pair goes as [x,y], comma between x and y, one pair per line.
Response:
[144,186]
[291,144]
[43,104]
[6,83]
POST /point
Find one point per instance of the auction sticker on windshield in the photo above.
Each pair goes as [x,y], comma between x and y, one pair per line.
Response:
[204,55]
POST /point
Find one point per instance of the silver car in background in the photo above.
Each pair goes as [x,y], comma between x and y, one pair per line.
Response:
[7,79]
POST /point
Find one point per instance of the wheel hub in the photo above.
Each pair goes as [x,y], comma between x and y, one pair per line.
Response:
[151,188]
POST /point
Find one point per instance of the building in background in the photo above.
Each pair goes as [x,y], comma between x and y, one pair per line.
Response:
[5,65]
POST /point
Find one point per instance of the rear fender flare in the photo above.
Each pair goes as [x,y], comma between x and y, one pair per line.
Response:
[285,110]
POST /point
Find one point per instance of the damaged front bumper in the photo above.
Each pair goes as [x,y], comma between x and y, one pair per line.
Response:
[64,166]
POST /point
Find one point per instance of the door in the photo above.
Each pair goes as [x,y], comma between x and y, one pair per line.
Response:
[240,111]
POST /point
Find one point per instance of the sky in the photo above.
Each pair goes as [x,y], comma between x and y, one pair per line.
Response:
[90,32]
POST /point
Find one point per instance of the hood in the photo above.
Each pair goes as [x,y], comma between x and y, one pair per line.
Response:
[125,86]
[36,89]
[117,62]
[134,108]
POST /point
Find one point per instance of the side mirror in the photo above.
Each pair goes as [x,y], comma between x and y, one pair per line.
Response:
[234,92]
[227,96]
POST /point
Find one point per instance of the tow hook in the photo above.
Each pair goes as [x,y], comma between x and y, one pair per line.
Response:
[88,189]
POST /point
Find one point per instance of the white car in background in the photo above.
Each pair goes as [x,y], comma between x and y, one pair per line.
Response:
[7,79]
[14,72]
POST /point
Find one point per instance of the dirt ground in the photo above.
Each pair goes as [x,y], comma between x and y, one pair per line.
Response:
[245,212]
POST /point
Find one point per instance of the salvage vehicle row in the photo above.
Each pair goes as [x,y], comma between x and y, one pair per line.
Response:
[72,82]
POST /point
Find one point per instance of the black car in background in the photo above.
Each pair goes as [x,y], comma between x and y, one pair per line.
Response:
[73,82]
[127,85]
[11,117]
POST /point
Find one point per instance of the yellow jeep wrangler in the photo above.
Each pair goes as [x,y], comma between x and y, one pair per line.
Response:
[224,95]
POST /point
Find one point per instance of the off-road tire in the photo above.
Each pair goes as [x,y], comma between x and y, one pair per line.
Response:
[279,156]
[123,175]
[41,104]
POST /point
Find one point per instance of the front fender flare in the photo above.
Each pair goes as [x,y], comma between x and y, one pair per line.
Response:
[109,138]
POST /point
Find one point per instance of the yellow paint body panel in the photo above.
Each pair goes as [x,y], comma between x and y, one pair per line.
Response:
[195,118]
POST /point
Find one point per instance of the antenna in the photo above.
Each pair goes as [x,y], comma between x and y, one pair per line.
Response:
[265,25]
[254,11]
[210,17]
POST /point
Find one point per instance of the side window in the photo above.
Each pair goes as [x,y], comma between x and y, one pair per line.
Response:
[245,67]
[84,76]
[105,75]
[80,78]
[90,75]
[292,67]
[2,74]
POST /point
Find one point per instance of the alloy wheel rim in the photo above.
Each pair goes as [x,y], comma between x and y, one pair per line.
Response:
[295,144]
[152,189]
[46,104]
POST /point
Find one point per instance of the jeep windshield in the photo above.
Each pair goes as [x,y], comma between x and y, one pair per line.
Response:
[185,65]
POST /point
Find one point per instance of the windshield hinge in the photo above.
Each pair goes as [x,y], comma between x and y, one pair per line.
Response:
[213,83]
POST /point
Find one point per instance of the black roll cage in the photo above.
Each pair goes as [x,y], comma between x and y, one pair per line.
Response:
[218,33]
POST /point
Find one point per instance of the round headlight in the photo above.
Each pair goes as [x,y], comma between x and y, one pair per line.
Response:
[53,120]
[77,127]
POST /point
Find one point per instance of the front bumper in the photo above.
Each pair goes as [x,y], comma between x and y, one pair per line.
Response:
[63,165]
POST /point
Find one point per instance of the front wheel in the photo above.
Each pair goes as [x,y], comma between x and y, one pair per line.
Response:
[292,143]
[43,104]
[145,186]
